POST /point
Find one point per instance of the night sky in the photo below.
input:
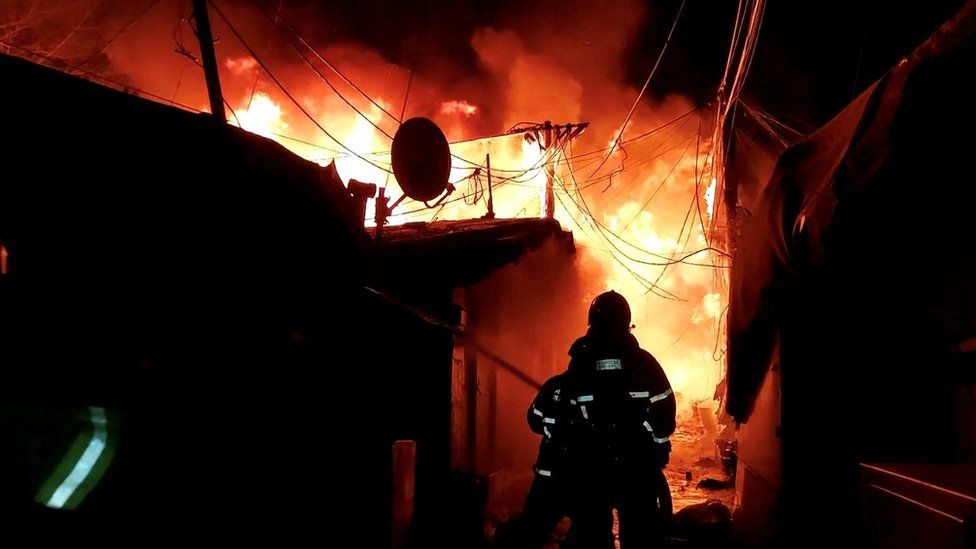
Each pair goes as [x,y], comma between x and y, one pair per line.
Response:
[813,55]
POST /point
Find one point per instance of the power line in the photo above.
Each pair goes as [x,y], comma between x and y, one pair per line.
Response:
[557,161]
[644,160]
[514,180]
[57,62]
[649,286]
[277,82]
[267,49]
[335,90]
[67,38]
[698,176]
[669,259]
[658,189]
[736,29]
[748,53]
[128,25]
[640,95]
[333,68]
[503,181]
[406,96]
[565,159]
[310,144]
[640,279]
[695,203]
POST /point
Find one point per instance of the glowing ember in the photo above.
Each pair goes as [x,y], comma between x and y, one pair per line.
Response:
[712,303]
[710,198]
[241,65]
[458,107]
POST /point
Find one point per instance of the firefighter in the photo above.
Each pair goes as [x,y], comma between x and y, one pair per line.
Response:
[622,411]
[545,505]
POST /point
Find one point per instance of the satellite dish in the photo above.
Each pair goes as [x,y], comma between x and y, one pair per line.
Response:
[421,159]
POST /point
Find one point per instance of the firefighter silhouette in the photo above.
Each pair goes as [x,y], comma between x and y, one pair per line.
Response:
[605,424]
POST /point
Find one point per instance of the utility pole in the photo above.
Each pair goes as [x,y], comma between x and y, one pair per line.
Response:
[549,136]
[205,36]
[491,198]
[549,207]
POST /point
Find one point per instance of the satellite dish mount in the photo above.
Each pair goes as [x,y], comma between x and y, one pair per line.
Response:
[421,161]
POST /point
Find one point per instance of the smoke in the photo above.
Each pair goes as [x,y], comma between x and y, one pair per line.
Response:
[571,70]
[480,75]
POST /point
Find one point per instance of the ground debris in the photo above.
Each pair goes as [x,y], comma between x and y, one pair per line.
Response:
[716,484]
[694,460]
[712,511]
[707,524]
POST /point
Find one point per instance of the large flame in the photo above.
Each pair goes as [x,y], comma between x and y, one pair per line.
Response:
[262,116]
[689,353]
[629,227]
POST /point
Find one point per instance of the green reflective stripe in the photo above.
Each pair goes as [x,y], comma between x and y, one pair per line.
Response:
[82,467]
[63,469]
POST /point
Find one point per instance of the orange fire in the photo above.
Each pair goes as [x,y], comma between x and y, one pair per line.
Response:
[262,116]
[520,178]
[628,227]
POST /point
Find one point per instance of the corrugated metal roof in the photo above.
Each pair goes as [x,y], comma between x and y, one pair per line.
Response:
[457,253]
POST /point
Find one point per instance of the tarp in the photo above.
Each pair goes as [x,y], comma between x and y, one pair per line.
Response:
[782,239]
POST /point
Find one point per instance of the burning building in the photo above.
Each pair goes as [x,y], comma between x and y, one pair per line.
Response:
[465,316]
[639,197]
[134,294]
[253,317]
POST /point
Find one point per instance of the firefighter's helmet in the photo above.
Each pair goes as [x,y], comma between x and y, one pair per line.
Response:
[610,311]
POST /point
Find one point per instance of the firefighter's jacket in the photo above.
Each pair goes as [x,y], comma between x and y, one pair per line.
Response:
[550,417]
[613,404]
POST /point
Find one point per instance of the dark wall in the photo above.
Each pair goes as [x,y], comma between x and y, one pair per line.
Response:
[202,285]
[866,345]
[410,398]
